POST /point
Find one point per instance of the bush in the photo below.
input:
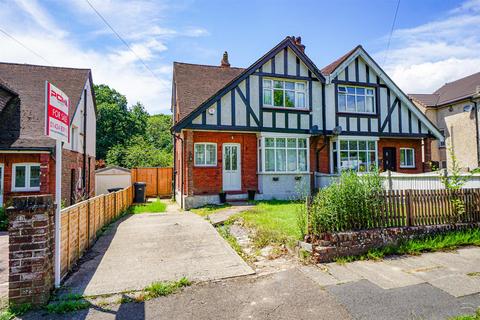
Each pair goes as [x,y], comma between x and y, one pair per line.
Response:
[347,204]
[3,220]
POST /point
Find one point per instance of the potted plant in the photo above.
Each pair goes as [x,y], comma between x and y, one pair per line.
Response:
[223,196]
[251,195]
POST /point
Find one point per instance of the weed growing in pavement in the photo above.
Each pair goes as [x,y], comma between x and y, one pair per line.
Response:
[475,316]
[13,311]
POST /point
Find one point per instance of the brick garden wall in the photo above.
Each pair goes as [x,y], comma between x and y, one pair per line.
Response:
[342,244]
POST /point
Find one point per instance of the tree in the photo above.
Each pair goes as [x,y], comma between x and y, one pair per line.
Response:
[158,131]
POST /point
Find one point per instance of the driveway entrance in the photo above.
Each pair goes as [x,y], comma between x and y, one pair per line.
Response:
[144,248]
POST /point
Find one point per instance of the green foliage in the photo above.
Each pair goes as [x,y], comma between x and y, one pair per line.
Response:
[158,289]
[138,152]
[130,137]
[349,203]
[475,316]
[150,207]
[14,311]
[454,181]
[65,306]
[224,231]
[3,220]
[445,241]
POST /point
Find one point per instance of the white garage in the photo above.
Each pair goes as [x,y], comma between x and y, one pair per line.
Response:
[111,177]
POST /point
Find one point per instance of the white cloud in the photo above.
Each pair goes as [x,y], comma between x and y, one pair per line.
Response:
[139,22]
[425,57]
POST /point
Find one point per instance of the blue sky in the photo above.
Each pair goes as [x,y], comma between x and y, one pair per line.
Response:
[434,41]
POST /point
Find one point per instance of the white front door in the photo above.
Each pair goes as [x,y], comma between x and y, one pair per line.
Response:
[1,184]
[232,175]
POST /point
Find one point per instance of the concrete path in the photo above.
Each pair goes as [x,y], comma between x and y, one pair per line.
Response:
[221,216]
[143,248]
[3,267]
[457,273]
[283,296]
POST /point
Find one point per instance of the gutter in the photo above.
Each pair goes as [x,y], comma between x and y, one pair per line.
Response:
[85,142]
[175,171]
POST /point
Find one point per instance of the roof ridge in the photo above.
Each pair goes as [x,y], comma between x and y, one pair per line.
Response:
[205,65]
[328,69]
[43,66]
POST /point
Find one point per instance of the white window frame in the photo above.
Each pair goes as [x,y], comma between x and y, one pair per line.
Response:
[262,159]
[27,187]
[204,164]
[296,91]
[374,111]
[351,138]
[74,138]
[407,166]
[441,143]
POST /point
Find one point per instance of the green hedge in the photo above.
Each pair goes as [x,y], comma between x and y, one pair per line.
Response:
[3,220]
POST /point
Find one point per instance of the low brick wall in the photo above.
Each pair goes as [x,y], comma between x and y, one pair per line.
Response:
[342,244]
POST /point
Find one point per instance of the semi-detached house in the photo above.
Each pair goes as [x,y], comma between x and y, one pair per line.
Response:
[271,126]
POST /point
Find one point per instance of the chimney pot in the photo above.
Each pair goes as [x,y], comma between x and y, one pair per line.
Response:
[298,43]
[225,63]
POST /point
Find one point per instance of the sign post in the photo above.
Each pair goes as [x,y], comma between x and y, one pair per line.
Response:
[57,126]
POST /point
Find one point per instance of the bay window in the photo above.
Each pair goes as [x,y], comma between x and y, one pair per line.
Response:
[26,177]
[354,154]
[356,99]
[283,154]
[284,94]
[407,158]
[205,154]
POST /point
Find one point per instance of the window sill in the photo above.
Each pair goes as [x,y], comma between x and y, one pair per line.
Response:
[284,173]
[403,167]
[212,166]
[357,114]
[286,108]
[26,190]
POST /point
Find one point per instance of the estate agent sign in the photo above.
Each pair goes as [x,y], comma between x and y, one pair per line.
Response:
[57,126]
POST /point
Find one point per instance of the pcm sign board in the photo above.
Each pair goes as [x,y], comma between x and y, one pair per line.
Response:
[57,124]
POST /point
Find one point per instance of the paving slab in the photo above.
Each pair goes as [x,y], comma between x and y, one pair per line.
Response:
[365,300]
[144,248]
[3,266]
[220,217]
[321,277]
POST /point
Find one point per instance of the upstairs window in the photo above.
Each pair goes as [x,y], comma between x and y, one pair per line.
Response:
[205,154]
[356,99]
[284,94]
[407,158]
[26,177]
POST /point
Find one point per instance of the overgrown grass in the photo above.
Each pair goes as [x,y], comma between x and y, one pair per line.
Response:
[65,306]
[210,208]
[150,207]
[164,288]
[446,241]
[475,316]
[274,222]
[14,311]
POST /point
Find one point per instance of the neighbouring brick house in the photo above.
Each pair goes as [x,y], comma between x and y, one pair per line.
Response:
[453,108]
[27,156]
[271,126]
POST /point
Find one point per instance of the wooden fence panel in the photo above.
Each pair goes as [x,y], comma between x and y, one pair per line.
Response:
[82,221]
[158,180]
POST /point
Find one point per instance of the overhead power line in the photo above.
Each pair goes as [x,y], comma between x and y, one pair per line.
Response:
[121,39]
[24,46]
[391,33]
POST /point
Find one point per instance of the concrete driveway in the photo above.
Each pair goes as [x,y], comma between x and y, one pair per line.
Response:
[3,266]
[143,248]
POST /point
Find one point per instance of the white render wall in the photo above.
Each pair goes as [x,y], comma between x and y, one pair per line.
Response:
[286,188]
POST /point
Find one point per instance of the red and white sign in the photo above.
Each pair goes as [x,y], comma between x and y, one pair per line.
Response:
[57,120]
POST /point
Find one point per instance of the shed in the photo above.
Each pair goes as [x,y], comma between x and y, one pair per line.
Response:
[111,177]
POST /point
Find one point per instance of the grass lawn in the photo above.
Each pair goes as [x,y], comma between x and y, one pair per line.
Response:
[150,207]
[209,209]
[446,241]
[275,222]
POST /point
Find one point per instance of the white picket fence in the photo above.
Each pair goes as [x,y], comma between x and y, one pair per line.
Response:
[405,181]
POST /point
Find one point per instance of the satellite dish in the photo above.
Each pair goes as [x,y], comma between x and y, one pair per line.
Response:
[337,130]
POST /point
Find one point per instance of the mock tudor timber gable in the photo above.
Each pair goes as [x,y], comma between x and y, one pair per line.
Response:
[271,127]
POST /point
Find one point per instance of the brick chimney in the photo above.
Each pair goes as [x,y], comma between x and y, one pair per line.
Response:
[225,63]
[298,42]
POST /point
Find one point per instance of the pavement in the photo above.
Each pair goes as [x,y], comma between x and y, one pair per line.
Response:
[3,266]
[221,216]
[140,249]
[283,295]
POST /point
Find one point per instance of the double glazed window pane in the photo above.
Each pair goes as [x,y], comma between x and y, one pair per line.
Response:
[270,160]
[355,99]
[358,155]
[199,154]
[34,176]
[288,94]
[205,154]
[20,176]
[286,154]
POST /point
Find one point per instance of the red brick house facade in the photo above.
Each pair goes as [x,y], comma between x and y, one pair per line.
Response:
[27,156]
[270,127]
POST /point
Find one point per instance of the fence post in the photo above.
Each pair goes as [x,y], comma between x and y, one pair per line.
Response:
[308,202]
[389,177]
[408,203]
